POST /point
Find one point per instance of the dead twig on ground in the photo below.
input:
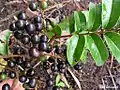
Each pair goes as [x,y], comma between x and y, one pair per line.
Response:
[76,80]
[112,78]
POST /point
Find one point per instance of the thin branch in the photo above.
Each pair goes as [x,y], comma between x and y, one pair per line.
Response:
[10,55]
[76,80]
[112,78]
[103,84]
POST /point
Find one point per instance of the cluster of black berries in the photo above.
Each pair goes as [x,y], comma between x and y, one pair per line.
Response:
[29,33]
[26,75]
[55,66]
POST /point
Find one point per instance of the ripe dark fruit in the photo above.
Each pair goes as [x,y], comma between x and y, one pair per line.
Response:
[23,79]
[51,76]
[43,46]
[39,26]
[30,72]
[56,88]
[44,38]
[25,39]
[6,87]
[12,75]
[18,34]
[33,6]
[33,52]
[58,50]
[62,65]
[22,16]
[19,61]
[62,70]
[27,64]
[49,49]
[32,83]
[51,60]
[78,66]
[50,82]
[30,28]
[21,50]
[38,19]
[64,47]
[54,68]
[20,24]
[13,27]
[11,64]
[46,65]
[35,39]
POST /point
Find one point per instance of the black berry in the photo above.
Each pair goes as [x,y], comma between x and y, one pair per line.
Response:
[62,70]
[78,66]
[54,67]
[30,72]
[43,46]
[49,49]
[35,39]
[12,75]
[6,87]
[39,26]
[25,39]
[38,19]
[13,27]
[33,52]
[23,79]
[19,61]
[18,34]
[50,82]
[11,64]
[62,65]
[20,24]
[27,64]
[33,6]
[43,38]
[32,83]
[22,16]
[56,88]
[58,50]
[51,60]
[46,65]
[30,28]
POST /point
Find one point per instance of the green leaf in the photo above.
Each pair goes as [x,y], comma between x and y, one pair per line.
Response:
[83,57]
[4,35]
[86,14]
[113,41]
[79,48]
[57,79]
[98,22]
[3,48]
[75,48]
[94,18]
[110,13]
[64,25]
[82,21]
[61,84]
[57,30]
[97,49]
[77,21]
[71,24]
[50,34]
[92,15]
